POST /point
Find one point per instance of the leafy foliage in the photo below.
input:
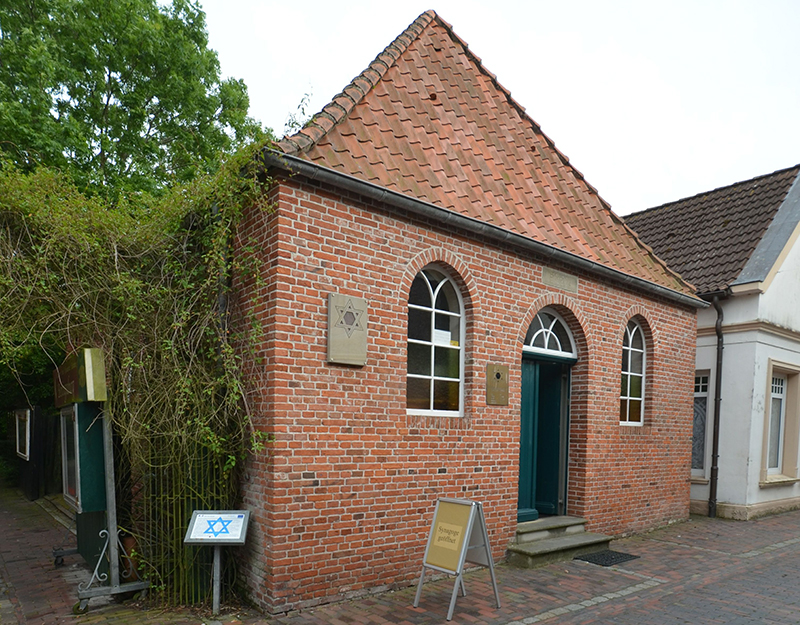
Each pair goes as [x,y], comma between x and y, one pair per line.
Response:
[120,192]
[146,280]
[121,95]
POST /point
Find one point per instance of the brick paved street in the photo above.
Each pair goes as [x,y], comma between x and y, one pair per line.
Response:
[701,572]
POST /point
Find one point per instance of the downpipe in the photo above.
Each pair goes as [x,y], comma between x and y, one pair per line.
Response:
[712,493]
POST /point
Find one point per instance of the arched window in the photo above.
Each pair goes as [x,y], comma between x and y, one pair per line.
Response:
[631,403]
[549,335]
[435,381]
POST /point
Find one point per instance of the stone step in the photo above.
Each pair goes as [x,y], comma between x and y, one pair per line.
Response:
[60,510]
[549,527]
[535,553]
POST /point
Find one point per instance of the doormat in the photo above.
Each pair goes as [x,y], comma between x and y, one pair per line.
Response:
[606,558]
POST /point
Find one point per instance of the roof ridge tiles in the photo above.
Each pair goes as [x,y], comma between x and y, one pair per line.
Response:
[718,189]
[379,66]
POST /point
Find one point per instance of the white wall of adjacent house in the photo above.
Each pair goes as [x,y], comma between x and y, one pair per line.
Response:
[749,350]
[761,332]
[736,430]
[778,343]
[737,310]
[780,303]
[737,398]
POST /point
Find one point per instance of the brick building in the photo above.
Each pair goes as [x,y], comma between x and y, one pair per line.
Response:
[445,303]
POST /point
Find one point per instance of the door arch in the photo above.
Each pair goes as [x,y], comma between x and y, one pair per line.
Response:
[548,354]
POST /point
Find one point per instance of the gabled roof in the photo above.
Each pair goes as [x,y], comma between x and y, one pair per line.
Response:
[726,237]
[428,121]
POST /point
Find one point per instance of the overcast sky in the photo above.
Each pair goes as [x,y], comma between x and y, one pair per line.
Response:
[651,101]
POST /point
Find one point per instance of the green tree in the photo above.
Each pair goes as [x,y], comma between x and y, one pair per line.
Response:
[123,95]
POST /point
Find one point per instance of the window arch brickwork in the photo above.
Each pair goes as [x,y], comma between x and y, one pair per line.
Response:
[458,270]
[571,312]
[645,319]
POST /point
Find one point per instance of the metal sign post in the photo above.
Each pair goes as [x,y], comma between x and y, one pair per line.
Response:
[216,528]
[458,535]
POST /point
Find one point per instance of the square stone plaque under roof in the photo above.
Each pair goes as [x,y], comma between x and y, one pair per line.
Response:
[428,121]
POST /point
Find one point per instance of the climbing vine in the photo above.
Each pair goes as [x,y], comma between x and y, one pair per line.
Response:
[147,281]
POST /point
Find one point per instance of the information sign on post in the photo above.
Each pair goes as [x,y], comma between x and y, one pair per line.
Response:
[216,528]
[458,536]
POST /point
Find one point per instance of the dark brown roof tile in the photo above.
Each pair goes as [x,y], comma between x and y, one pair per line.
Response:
[708,238]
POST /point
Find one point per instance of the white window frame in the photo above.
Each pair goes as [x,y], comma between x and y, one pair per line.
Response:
[778,391]
[67,412]
[702,384]
[22,419]
[627,350]
[547,330]
[787,470]
[431,412]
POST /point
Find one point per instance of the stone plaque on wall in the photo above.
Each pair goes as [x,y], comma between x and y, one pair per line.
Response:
[496,385]
[560,280]
[347,329]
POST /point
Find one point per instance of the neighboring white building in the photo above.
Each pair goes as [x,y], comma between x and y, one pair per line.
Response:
[738,246]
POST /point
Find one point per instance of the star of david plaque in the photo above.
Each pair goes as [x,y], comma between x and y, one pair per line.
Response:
[347,329]
[217,527]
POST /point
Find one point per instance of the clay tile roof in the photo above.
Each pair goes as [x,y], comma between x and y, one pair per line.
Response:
[710,237]
[427,120]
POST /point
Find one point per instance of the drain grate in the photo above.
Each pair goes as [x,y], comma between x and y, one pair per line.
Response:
[606,558]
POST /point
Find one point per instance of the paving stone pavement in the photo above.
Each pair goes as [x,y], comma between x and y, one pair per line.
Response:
[703,571]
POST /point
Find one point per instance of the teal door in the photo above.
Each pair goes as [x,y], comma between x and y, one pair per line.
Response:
[543,438]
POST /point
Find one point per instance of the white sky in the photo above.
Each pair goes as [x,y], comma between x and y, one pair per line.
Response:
[651,101]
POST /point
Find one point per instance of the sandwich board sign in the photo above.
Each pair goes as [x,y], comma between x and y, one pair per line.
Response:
[458,536]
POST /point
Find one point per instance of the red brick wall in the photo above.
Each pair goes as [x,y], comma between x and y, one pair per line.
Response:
[343,503]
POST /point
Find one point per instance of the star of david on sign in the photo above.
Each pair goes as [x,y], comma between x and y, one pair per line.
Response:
[349,318]
[223,527]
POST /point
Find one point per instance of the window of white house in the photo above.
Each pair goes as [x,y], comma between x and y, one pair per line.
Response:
[435,380]
[777,422]
[22,418]
[548,334]
[781,438]
[631,403]
[700,421]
